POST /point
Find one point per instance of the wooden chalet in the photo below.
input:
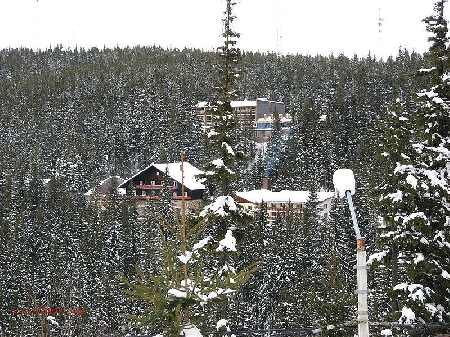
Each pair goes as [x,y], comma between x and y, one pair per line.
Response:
[150,183]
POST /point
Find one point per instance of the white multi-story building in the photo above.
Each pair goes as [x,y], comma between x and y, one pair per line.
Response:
[279,203]
[258,114]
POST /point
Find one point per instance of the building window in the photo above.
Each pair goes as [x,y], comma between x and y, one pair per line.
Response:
[152,183]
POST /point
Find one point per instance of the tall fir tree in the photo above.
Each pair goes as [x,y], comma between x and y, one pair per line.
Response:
[417,222]
[221,171]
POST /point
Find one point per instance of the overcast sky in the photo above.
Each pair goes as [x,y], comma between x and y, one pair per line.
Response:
[286,26]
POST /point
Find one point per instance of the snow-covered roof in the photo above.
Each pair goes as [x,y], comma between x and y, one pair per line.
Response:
[285,196]
[190,171]
[174,172]
[234,104]
[243,104]
[238,104]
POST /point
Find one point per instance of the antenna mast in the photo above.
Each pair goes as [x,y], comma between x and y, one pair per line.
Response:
[380,30]
[279,37]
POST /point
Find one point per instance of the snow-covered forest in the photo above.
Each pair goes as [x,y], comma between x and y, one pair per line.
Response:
[71,118]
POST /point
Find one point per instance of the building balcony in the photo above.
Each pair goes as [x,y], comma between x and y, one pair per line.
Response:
[157,197]
[155,187]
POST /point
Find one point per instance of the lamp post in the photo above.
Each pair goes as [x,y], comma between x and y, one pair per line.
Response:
[344,184]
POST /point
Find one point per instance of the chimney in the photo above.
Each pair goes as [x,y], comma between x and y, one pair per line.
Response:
[266,184]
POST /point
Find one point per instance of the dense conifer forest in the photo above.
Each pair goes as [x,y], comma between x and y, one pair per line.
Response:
[71,118]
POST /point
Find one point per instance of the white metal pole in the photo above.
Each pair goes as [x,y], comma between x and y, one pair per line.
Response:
[344,183]
[361,274]
[361,279]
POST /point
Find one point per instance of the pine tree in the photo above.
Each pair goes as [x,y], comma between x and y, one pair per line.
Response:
[177,295]
[311,260]
[221,171]
[416,223]
[250,301]
[338,276]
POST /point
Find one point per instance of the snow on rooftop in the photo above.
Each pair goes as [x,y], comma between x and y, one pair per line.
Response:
[237,104]
[285,196]
[234,104]
[190,173]
[174,171]
[243,104]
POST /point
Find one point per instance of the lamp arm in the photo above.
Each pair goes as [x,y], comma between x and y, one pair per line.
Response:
[352,211]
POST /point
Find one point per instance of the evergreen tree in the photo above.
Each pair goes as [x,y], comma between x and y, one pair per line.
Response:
[221,171]
[416,225]
[338,276]
[311,261]
[250,307]
[275,148]
[176,296]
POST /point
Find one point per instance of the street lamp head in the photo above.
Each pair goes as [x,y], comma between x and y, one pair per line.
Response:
[343,181]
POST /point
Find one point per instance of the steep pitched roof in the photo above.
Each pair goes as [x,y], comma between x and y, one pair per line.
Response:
[174,172]
[190,171]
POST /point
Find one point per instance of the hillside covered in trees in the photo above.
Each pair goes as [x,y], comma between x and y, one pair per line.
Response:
[71,118]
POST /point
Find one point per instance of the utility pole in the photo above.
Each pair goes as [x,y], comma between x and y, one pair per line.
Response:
[344,184]
[183,236]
